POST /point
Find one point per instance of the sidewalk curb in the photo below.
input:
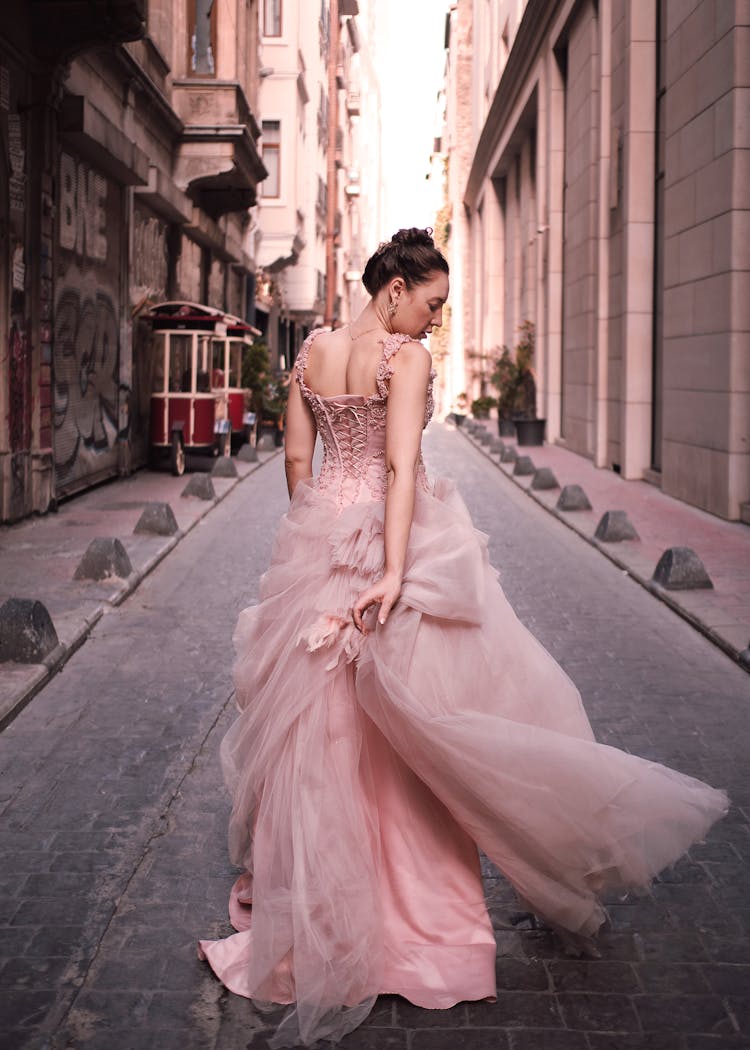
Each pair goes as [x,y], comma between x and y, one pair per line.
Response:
[647,583]
[43,672]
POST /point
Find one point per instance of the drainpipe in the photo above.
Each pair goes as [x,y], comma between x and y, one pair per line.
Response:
[332,176]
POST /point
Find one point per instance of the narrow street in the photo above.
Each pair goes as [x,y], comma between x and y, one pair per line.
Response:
[112,842]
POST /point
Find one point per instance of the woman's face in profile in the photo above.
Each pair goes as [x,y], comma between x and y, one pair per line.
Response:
[421,308]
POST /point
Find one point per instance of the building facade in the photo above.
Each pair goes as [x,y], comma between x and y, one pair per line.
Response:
[133,153]
[320,206]
[129,165]
[605,200]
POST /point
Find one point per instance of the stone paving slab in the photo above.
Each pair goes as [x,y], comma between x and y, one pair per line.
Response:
[722,614]
[39,556]
[113,836]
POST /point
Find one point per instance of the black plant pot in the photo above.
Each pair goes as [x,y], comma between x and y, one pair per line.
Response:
[458,418]
[506,428]
[530,431]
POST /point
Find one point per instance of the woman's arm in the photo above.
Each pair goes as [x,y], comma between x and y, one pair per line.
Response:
[299,438]
[403,437]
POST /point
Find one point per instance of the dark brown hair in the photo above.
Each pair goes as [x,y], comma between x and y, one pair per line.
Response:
[410,254]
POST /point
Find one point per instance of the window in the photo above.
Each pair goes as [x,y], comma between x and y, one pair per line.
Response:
[271,186]
[272,17]
[202,37]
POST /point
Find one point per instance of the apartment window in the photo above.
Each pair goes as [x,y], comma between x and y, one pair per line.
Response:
[272,17]
[202,37]
[271,186]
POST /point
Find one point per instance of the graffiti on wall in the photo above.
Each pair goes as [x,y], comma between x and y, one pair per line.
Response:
[83,199]
[149,268]
[19,389]
[86,326]
[86,365]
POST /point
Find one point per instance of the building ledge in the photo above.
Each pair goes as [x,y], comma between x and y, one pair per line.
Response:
[62,30]
[163,197]
[279,250]
[101,143]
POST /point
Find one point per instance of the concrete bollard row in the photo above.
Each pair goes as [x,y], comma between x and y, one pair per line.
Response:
[200,485]
[105,556]
[248,454]
[614,527]
[224,467]
[679,568]
[27,634]
[157,518]
[524,466]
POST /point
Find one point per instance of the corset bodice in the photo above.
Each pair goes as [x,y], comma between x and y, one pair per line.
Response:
[352,430]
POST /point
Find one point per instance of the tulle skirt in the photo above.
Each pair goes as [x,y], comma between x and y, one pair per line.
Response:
[365,769]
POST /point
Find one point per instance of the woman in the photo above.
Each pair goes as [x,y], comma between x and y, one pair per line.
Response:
[395,713]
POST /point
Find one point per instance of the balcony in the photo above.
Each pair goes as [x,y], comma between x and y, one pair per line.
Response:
[218,163]
[353,103]
[60,31]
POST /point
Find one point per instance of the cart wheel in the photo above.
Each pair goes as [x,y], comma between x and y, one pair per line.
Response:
[225,443]
[177,454]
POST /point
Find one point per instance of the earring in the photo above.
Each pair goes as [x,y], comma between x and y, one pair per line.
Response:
[392,307]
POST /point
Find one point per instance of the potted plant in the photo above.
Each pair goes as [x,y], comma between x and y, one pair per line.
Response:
[480,407]
[505,380]
[515,380]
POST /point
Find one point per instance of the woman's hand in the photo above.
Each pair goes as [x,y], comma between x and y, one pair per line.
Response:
[384,593]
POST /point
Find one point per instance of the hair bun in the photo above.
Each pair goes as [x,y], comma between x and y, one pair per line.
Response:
[414,237]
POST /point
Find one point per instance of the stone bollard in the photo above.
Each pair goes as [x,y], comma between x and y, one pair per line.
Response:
[484,436]
[573,497]
[496,446]
[224,467]
[248,454]
[615,526]
[545,478]
[27,633]
[104,557]
[524,466]
[680,569]
[200,485]
[157,518]
[508,455]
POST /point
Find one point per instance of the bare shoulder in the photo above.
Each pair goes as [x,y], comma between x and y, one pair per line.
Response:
[413,357]
[330,340]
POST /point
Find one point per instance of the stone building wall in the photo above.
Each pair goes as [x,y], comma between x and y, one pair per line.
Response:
[129,181]
[621,130]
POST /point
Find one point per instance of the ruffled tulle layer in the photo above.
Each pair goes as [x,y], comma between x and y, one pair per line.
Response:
[364,769]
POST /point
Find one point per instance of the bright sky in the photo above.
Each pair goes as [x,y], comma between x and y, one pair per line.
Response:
[411,63]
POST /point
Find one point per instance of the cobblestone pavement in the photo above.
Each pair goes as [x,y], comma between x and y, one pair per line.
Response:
[113,854]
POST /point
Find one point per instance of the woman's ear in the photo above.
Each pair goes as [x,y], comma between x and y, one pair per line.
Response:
[396,287]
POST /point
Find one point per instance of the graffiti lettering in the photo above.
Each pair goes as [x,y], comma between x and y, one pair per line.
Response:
[86,380]
[83,197]
[150,255]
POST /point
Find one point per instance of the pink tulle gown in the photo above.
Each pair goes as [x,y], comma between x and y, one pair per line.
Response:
[365,770]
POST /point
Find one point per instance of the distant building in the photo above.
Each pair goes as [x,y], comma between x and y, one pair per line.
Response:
[312,192]
[606,200]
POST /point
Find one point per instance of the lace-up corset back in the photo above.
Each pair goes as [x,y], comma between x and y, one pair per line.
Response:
[352,429]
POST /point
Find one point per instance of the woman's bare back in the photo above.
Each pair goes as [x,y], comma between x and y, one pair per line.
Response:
[338,364]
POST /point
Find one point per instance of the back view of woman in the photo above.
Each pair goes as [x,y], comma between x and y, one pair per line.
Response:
[395,714]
